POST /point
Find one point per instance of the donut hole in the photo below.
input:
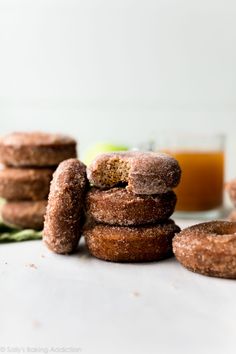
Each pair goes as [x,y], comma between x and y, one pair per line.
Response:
[115,172]
[229,229]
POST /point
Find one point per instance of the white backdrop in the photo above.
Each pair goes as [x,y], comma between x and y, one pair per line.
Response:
[119,70]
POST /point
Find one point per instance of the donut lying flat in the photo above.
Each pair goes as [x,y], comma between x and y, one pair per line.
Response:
[231,187]
[63,220]
[116,206]
[25,183]
[143,172]
[232,216]
[130,244]
[208,249]
[24,215]
[36,149]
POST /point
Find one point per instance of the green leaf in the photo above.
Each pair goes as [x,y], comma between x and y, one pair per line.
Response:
[13,235]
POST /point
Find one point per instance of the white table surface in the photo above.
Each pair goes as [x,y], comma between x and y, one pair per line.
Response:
[51,303]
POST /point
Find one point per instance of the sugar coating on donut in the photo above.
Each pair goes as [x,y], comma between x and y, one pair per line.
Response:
[24,214]
[131,244]
[231,188]
[142,172]
[208,249]
[28,149]
[19,139]
[117,206]
[25,183]
[64,215]
[232,216]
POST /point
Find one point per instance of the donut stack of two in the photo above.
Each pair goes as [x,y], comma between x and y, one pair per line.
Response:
[129,206]
[29,161]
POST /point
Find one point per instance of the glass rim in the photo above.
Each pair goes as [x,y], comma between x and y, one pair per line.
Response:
[191,141]
[171,134]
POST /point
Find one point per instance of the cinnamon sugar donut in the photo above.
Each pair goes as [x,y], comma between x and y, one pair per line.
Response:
[24,215]
[64,215]
[130,244]
[25,183]
[231,187]
[36,149]
[208,249]
[232,216]
[143,172]
[116,206]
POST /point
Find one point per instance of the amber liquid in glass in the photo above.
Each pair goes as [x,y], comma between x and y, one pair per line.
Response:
[202,181]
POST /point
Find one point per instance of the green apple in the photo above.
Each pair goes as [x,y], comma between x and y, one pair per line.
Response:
[98,148]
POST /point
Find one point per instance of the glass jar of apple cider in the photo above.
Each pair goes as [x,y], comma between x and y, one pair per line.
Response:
[202,160]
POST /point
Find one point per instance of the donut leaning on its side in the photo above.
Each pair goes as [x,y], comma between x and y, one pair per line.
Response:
[64,215]
[208,249]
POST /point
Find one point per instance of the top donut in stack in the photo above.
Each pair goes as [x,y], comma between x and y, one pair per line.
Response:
[29,161]
[130,204]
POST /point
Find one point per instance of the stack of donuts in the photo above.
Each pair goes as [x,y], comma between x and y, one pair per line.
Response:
[29,160]
[128,210]
[129,206]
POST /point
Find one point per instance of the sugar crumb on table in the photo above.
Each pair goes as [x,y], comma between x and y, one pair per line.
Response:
[31,265]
